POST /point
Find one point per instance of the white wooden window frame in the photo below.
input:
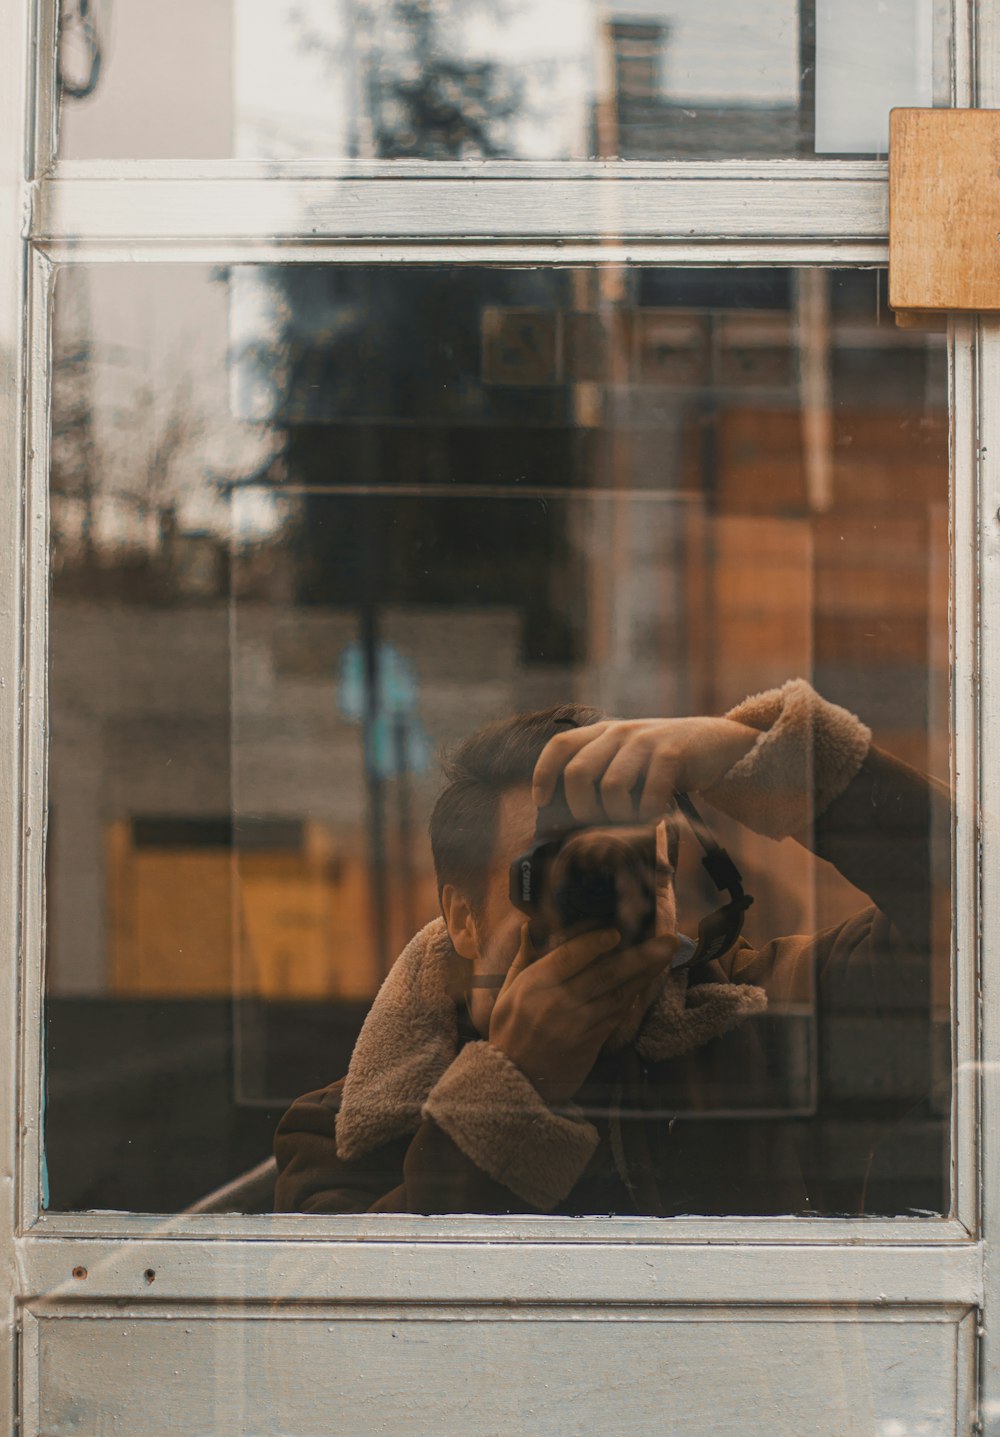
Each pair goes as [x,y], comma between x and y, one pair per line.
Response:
[729,213]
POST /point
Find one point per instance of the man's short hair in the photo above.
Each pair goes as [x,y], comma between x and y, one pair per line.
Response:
[498,757]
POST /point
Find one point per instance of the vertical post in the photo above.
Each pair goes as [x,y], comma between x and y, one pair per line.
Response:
[375,788]
[988,451]
[986,94]
[404,824]
[15,21]
[812,304]
[368,615]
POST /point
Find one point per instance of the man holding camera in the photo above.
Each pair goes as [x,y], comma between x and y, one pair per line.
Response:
[516,1067]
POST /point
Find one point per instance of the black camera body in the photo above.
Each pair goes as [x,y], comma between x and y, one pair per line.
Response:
[579,877]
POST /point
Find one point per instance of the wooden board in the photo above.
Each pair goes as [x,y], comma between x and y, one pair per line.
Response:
[944,211]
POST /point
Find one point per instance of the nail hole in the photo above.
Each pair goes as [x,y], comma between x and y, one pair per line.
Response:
[150,1275]
[79,1273]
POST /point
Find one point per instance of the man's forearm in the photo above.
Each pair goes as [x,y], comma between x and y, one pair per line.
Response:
[880,834]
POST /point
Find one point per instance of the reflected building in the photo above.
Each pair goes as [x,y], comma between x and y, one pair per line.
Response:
[720,480]
[652,489]
[515,80]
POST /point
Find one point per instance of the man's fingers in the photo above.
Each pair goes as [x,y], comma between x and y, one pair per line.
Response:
[523,958]
[583,773]
[556,755]
[604,767]
[608,1011]
[638,965]
[576,954]
[621,777]
[662,778]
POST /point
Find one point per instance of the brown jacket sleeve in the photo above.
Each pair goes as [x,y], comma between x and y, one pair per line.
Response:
[885,834]
[424,1174]
[882,834]
[889,834]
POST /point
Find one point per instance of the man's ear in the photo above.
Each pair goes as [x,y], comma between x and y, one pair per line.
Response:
[460,922]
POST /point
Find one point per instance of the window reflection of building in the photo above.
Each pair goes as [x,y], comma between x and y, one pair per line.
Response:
[535,79]
[638,48]
[547,492]
[721,571]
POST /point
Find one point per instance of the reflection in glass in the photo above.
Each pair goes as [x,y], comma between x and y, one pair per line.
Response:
[871,59]
[518,79]
[312,525]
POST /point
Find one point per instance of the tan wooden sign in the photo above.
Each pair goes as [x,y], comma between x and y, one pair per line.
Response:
[944,212]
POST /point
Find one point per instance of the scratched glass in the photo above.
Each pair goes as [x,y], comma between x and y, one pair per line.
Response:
[514,80]
[311,526]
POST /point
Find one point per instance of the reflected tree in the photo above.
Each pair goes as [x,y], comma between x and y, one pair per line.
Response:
[120,457]
[382,378]
[429,103]
[142,462]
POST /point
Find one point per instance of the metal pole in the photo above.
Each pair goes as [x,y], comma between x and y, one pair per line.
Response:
[368,615]
[404,819]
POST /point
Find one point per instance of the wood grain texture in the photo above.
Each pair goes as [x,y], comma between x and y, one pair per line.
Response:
[944,211]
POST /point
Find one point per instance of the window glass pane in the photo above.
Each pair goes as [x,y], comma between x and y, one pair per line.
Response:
[519,79]
[312,526]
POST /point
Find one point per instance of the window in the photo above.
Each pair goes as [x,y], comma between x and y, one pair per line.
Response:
[412,79]
[391,369]
[719,479]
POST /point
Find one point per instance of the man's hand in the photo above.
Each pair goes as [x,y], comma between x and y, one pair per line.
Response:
[554,1014]
[604,764]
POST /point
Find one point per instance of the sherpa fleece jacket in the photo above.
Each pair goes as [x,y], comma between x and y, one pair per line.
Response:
[430,1118]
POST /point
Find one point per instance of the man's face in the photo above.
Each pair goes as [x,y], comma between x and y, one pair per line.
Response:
[499,924]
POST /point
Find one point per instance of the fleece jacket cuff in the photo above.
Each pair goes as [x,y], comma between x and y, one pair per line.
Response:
[498,1119]
[807,753]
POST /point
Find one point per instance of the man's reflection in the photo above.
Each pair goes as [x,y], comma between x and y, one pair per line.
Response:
[513,1068]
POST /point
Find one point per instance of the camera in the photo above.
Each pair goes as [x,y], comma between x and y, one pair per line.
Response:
[577,877]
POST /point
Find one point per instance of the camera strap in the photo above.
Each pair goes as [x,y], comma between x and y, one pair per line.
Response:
[719,930]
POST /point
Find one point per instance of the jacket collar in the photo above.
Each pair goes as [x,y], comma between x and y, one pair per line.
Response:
[410,1038]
